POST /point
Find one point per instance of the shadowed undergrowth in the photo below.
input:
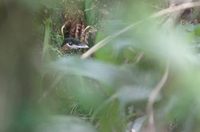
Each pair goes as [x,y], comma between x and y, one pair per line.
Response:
[143,76]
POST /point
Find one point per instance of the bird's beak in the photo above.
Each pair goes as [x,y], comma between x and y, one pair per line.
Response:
[80,46]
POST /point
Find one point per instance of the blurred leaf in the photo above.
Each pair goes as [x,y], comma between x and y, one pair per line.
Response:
[197,30]
[111,122]
[65,124]
[133,94]
[105,73]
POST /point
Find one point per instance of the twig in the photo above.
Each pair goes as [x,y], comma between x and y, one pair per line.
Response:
[163,12]
[152,98]
[139,57]
[176,8]
[106,40]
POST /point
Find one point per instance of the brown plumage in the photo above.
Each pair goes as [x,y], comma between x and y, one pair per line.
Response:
[73,23]
[75,28]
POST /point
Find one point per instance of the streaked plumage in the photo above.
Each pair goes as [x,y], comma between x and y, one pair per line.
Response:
[75,30]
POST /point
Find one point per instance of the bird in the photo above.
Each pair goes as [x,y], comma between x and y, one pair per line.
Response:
[73,43]
[76,32]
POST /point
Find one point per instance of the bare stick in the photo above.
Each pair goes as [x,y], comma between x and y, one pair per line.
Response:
[152,98]
[172,9]
[106,40]
[163,12]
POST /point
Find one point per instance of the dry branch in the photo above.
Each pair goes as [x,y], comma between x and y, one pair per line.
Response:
[152,98]
[163,12]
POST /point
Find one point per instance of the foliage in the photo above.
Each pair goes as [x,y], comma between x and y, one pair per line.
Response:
[44,90]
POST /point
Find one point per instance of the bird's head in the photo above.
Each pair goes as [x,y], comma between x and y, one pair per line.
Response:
[72,43]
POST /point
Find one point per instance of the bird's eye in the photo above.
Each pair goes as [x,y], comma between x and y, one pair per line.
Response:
[70,43]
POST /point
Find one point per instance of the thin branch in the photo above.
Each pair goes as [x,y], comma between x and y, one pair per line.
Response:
[163,12]
[103,42]
[152,98]
[139,57]
[172,9]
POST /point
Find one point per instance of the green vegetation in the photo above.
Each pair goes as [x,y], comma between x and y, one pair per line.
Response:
[141,73]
